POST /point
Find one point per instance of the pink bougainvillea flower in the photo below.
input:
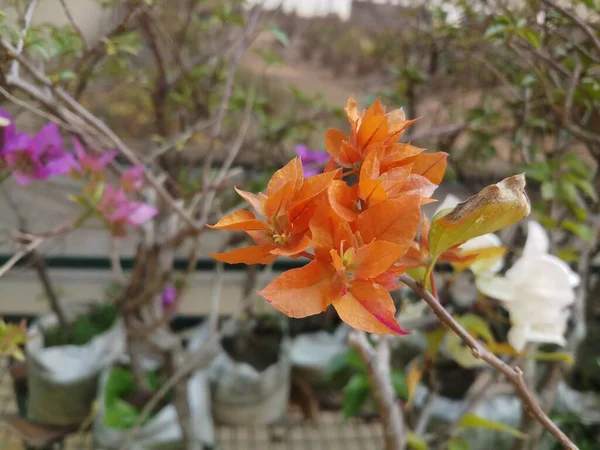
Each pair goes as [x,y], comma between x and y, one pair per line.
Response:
[118,211]
[169,296]
[133,179]
[90,165]
[38,158]
[10,139]
[313,161]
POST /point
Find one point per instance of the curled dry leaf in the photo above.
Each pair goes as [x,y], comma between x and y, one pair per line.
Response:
[493,208]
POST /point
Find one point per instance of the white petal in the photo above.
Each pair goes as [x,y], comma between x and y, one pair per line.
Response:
[485,241]
[537,240]
[495,287]
[520,335]
[450,201]
[516,338]
[543,270]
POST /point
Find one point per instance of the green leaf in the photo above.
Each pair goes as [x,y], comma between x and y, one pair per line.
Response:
[280,35]
[531,36]
[568,254]
[587,188]
[399,383]
[580,229]
[458,443]
[474,421]
[493,208]
[415,442]
[434,341]
[355,394]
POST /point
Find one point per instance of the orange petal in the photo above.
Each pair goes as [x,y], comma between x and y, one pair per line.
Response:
[370,166]
[349,156]
[396,120]
[239,220]
[372,129]
[351,110]
[254,200]
[328,231]
[312,187]
[431,165]
[399,155]
[293,248]
[418,184]
[290,173]
[395,221]
[371,191]
[414,257]
[301,292]
[254,254]
[375,258]
[394,179]
[333,142]
[331,165]
[368,307]
[343,199]
[278,202]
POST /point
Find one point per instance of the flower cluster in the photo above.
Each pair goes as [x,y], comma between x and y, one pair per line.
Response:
[358,233]
[31,158]
[43,156]
[114,206]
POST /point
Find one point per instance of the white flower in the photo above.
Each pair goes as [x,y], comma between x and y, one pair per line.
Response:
[537,290]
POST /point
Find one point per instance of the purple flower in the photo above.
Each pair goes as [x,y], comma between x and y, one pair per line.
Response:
[90,165]
[133,179]
[10,139]
[119,212]
[37,158]
[313,161]
[169,296]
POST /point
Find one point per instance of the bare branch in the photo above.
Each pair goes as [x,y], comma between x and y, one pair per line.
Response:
[514,374]
[577,21]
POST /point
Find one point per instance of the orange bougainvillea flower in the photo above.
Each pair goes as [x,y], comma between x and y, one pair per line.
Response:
[376,130]
[287,207]
[374,187]
[353,266]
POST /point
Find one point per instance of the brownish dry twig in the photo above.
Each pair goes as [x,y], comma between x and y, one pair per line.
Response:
[514,374]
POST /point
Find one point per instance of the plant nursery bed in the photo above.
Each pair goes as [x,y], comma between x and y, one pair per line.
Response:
[331,433]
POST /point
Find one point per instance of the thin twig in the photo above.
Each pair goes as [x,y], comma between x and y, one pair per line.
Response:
[514,374]
[74,23]
[14,70]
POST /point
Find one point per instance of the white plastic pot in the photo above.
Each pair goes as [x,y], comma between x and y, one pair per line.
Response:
[62,381]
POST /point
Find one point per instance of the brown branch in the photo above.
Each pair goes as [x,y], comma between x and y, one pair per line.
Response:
[378,371]
[513,374]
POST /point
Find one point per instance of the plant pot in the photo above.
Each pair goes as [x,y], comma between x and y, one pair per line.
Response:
[162,429]
[62,380]
[248,393]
